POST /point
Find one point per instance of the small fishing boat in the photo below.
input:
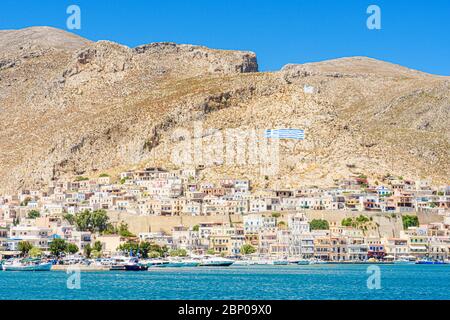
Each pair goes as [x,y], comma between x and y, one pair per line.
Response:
[27,265]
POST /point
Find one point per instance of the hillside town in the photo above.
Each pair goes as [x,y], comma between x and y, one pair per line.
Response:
[272,223]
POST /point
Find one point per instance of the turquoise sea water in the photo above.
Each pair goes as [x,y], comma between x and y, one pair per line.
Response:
[424,282]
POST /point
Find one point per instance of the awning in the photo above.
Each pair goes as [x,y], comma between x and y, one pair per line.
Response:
[418,248]
[9,253]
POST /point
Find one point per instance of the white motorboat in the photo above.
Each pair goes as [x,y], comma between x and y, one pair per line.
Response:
[216,262]
[280,262]
[317,261]
[303,262]
[403,261]
[241,263]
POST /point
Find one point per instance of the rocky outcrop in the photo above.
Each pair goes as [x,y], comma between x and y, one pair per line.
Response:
[71,107]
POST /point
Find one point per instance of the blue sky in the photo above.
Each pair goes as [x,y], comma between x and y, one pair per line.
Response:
[415,33]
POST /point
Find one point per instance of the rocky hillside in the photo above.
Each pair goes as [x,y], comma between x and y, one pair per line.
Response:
[70,106]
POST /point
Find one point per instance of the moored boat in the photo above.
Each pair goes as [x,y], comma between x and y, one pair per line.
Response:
[280,262]
[241,263]
[172,263]
[317,261]
[425,261]
[30,265]
[216,262]
[403,261]
[135,267]
[190,263]
[127,264]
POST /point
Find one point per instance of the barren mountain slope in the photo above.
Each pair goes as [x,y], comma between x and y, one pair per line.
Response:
[70,107]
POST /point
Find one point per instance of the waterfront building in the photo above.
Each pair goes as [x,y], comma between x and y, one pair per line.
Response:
[254,223]
[3,239]
[322,245]
[417,241]
[396,247]
[376,248]
[110,243]
[38,236]
[81,239]
[338,248]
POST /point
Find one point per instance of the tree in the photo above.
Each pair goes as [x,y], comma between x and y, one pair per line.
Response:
[210,251]
[410,221]
[281,225]
[362,219]
[154,254]
[70,218]
[103,175]
[123,180]
[96,221]
[162,250]
[129,247]
[178,253]
[25,202]
[276,214]
[319,224]
[83,220]
[35,252]
[100,220]
[247,249]
[58,246]
[196,228]
[96,254]
[347,222]
[87,250]
[33,214]
[71,248]
[144,248]
[123,230]
[97,246]
[24,247]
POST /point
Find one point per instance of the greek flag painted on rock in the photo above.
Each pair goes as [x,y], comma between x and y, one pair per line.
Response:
[296,134]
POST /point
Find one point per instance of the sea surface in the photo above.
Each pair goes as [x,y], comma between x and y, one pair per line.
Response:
[423,282]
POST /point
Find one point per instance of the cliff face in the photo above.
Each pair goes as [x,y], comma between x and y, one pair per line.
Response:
[70,107]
